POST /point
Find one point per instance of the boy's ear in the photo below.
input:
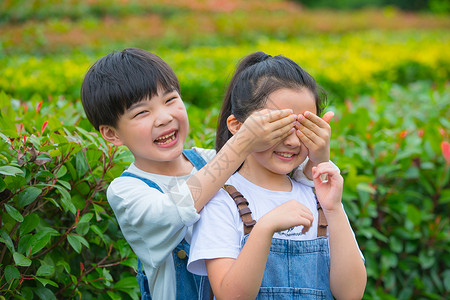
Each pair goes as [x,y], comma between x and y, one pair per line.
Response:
[109,133]
[233,124]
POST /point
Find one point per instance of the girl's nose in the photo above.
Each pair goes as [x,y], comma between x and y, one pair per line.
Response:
[292,141]
[163,117]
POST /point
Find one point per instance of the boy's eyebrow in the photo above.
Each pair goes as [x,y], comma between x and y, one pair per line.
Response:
[140,103]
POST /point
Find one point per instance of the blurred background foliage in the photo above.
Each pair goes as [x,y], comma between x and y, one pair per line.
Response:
[384,64]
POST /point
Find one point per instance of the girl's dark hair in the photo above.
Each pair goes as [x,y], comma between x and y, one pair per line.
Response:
[120,79]
[256,77]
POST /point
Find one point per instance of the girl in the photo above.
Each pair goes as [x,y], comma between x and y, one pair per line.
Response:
[282,257]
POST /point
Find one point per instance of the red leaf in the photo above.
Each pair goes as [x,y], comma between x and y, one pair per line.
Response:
[445,146]
[38,107]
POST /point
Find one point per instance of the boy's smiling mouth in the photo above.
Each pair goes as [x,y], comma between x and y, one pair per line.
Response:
[166,139]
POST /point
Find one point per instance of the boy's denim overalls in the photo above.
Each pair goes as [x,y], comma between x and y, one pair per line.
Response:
[189,286]
[296,270]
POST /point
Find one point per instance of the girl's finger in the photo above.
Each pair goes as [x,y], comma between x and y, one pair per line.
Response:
[324,168]
[309,116]
[310,135]
[328,116]
[304,139]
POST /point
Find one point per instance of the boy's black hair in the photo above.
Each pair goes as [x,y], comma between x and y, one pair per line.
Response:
[256,77]
[120,79]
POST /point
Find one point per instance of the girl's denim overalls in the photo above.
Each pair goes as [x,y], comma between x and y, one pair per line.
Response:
[296,270]
[189,286]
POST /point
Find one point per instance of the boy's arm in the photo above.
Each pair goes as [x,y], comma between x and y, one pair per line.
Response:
[347,270]
[260,131]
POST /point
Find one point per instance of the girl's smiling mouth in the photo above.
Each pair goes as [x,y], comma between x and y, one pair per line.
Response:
[285,155]
[167,140]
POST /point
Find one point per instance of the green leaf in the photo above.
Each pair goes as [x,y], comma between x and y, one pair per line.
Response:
[113,295]
[74,242]
[39,241]
[11,272]
[2,185]
[14,213]
[45,270]
[126,283]
[44,293]
[29,223]
[28,195]
[21,260]
[86,217]
[10,170]
[413,214]
[6,239]
[61,172]
[45,281]
[82,228]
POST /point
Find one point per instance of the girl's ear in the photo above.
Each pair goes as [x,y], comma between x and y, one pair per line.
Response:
[110,134]
[233,124]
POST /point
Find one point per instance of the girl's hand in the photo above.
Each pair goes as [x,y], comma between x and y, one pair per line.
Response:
[265,128]
[328,193]
[287,215]
[315,132]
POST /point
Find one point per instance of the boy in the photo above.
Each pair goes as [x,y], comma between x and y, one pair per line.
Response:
[133,98]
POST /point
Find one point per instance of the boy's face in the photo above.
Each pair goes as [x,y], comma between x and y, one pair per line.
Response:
[154,130]
[290,152]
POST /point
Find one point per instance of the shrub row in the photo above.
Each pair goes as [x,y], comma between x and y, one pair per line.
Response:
[345,65]
[59,238]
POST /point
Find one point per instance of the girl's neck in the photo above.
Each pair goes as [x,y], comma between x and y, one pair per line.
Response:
[264,178]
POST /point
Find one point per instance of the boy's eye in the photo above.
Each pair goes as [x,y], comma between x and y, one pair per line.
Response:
[170,99]
[140,113]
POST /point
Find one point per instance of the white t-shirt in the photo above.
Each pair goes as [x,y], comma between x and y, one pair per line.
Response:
[154,223]
[219,232]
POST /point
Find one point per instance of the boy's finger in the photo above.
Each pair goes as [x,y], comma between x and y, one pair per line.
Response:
[289,121]
[274,115]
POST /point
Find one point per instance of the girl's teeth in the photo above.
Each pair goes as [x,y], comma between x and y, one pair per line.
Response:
[285,154]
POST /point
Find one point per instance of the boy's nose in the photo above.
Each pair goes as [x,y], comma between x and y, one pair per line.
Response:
[292,141]
[163,118]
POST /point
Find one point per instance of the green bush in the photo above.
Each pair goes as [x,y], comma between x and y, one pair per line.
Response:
[397,187]
[59,239]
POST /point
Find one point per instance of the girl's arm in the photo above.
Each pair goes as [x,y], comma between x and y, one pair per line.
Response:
[347,271]
[241,278]
[260,131]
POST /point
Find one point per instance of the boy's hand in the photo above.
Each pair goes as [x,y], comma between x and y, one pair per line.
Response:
[287,215]
[265,128]
[328,193]
[315,132]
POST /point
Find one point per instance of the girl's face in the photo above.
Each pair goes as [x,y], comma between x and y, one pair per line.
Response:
[289,153]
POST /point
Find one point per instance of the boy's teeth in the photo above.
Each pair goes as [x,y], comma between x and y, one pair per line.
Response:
[165,139]
[284,154]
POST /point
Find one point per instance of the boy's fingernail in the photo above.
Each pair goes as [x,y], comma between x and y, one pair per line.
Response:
[306,113]
[300,117]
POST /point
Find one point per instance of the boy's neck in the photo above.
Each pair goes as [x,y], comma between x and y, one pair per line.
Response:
[265,178]
[180,166]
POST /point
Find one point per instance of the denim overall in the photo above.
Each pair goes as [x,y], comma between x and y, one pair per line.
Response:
[296,270]
[189,286]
